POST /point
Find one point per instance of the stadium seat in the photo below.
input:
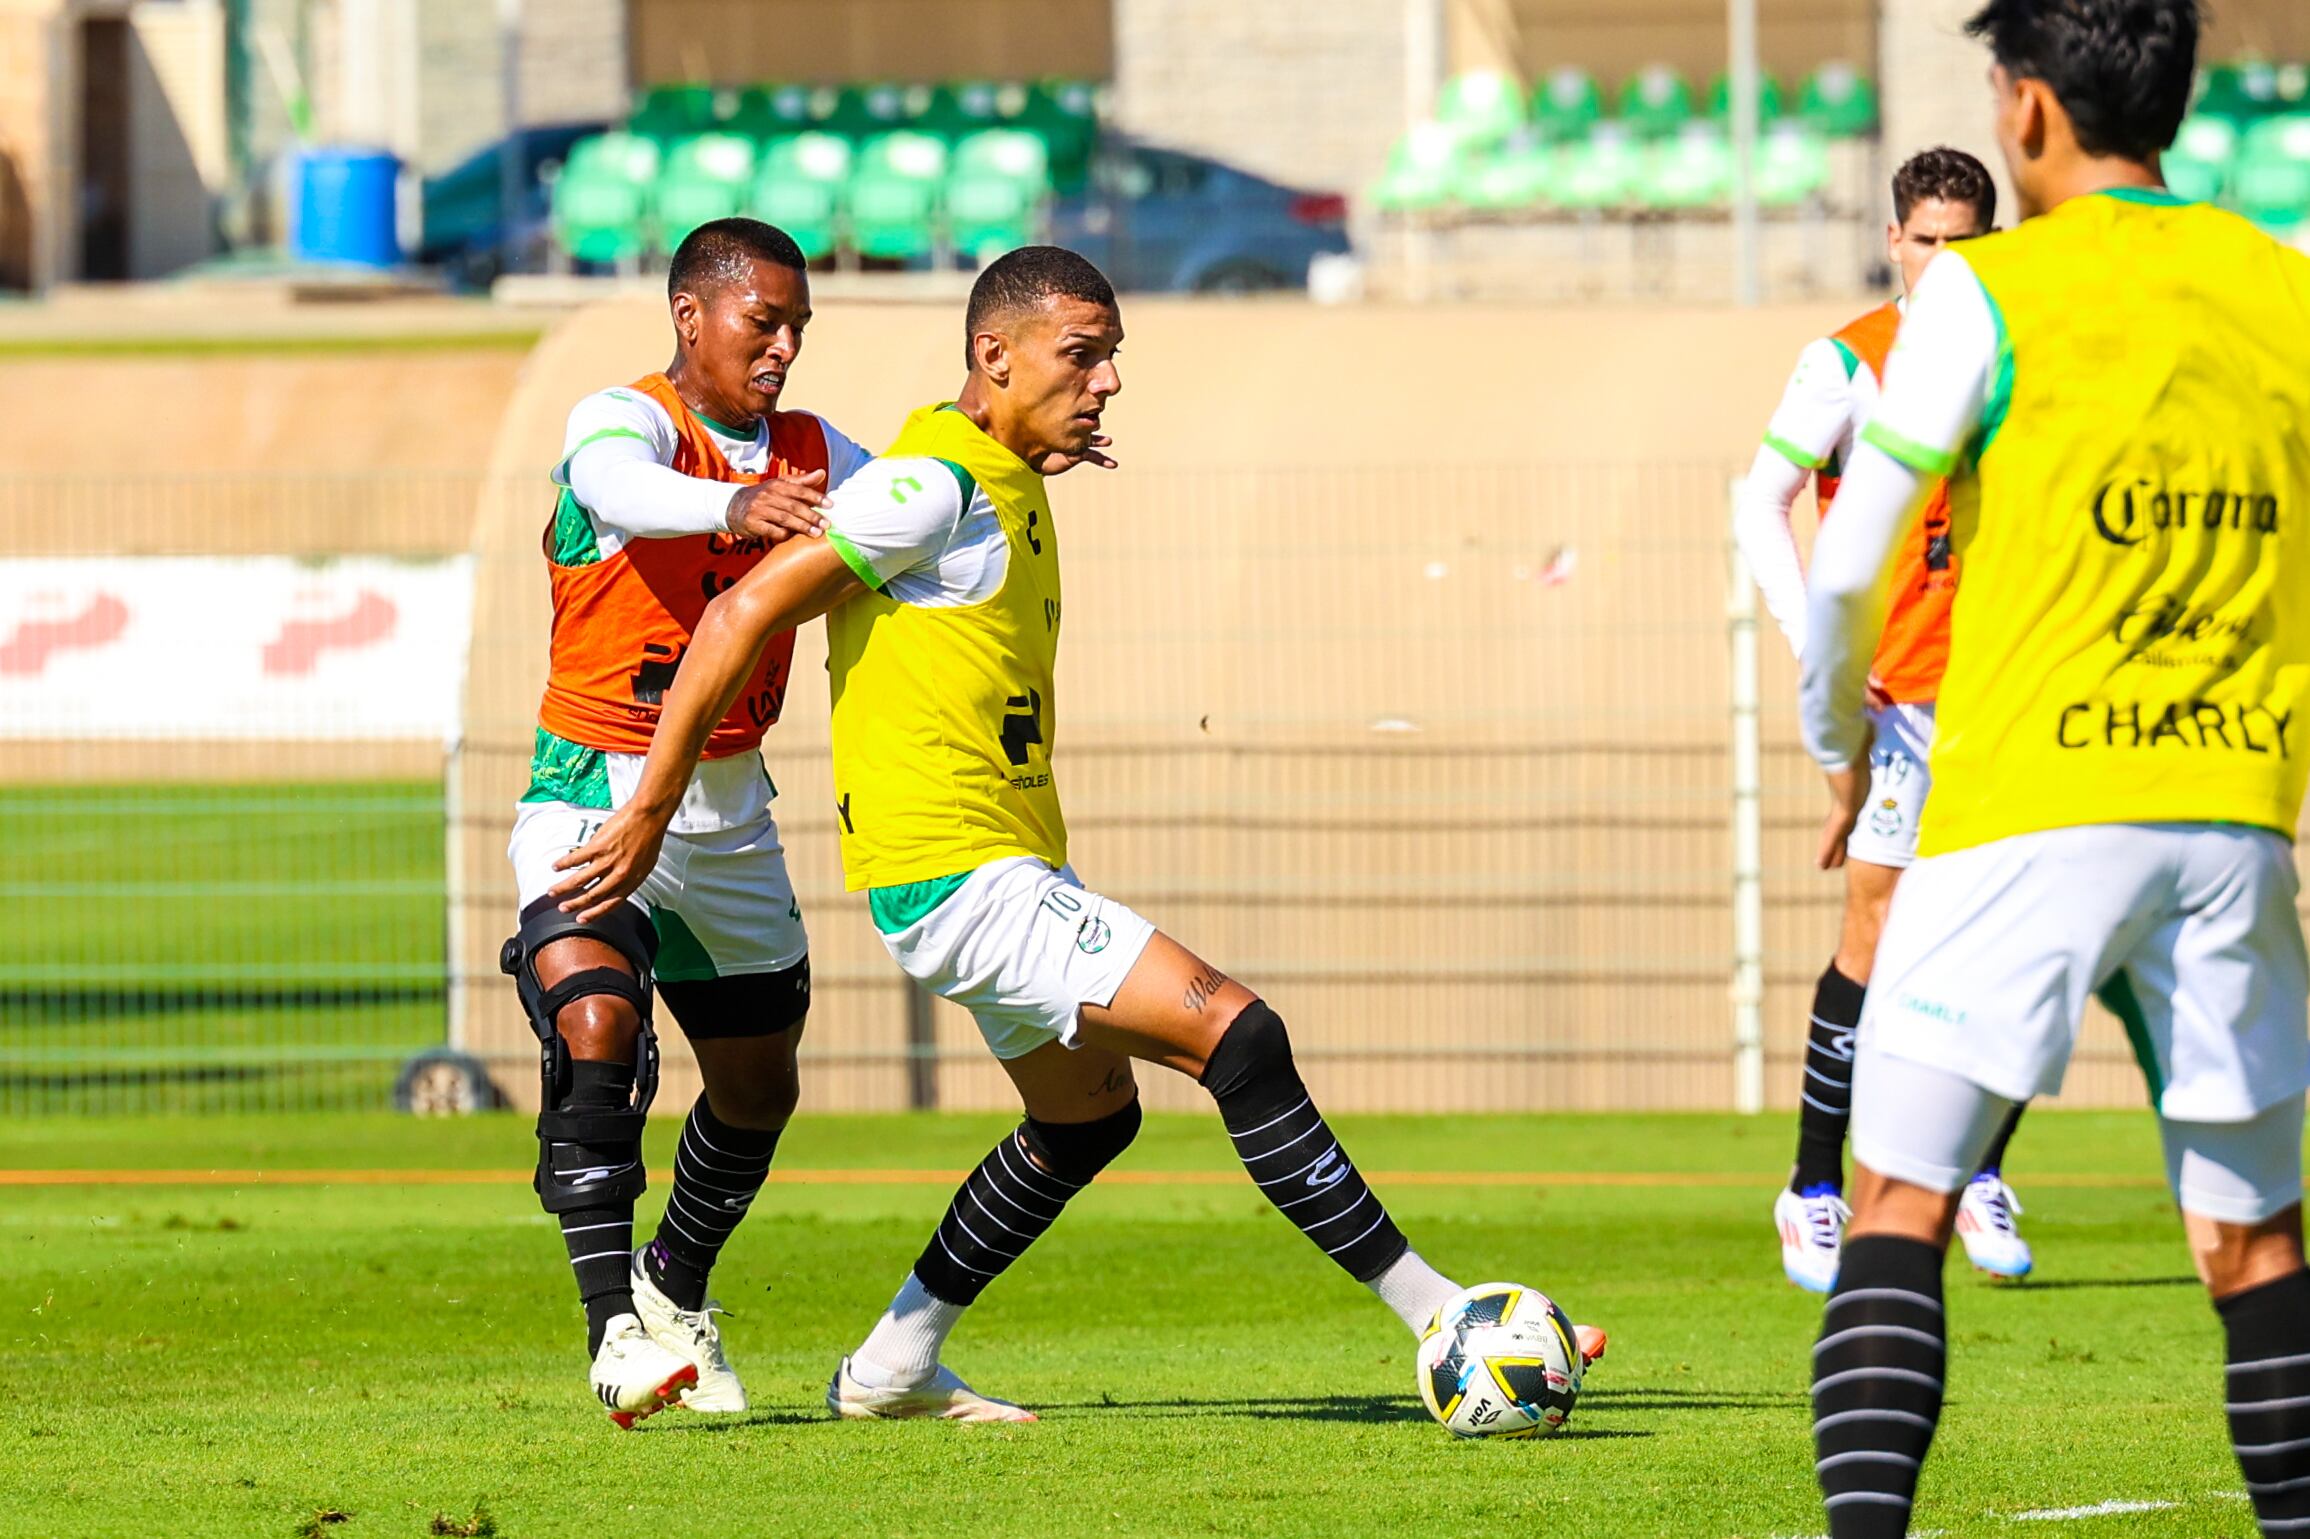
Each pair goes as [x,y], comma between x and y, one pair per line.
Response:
[799,189]
[2242,91]
[963,107]
[1482,103]
[862,111]
[1692,170]
[601,199]
[996,186]
[2271,184]
[705,176]
[767,112]
[2198,166]
[1012,153]
[1567,104]
[1656,102]
[1838,100]
[1792,165]
[893,195]
[1423,169]
[1507,177]
[1065,115]
[1772,106]
[1597,173]
[669,112]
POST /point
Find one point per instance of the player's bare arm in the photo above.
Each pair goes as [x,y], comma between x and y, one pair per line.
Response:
[794,584]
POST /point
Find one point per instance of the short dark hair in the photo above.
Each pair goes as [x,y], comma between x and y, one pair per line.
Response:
[1028,278]
[718,251]
[1949,175]
[2121,69]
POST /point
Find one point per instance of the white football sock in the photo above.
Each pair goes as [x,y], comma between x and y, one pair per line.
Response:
[901,1352]
[1413,1289]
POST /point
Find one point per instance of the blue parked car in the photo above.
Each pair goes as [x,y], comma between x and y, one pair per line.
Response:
[1165,221]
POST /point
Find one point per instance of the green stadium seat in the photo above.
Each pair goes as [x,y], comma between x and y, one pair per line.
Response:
[669,112]
[706,176]
[601,208]
[2271,183]
[2241,91]
[767,112]
[893,195]
[817,156]
[1772,106]
[1423,169]
[1064,113]
[2294,87]
[1692,170]
[1655,102]
[988,215]
[864,110]
[2198,166]
[1792,166]
[1482,103]
[1012,153]
[1567,104]
[1598,173]
[1507,177]
[1838,100]
[963,107]
[799,187]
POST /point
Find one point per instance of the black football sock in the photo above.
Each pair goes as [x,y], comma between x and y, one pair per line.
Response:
[718,1169]
[1877,1375]
[600,1239]
[1825,1106]
[2268,1398]
[1993,1163]
[1019,1189]
[1289,1150]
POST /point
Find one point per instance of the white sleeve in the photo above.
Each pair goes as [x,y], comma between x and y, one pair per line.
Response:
[1936,386]
[1767,542]
[618,463]
[844,458]
[1815,417]
[895,515]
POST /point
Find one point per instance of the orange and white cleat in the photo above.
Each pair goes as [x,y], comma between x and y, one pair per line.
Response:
[1591,1342]
[634,1377]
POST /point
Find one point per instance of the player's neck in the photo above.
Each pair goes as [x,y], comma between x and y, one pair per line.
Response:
[733,420]
[977,405]
[2082,176]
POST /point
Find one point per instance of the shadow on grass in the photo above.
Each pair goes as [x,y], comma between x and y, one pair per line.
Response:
[2066,1284]
[1646,1398]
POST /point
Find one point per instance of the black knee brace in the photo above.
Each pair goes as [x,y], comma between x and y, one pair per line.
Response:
[1076,1152]
[1254,1047]
[614,1136]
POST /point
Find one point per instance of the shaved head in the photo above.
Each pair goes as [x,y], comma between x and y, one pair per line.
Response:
[721,252]
[1027,280]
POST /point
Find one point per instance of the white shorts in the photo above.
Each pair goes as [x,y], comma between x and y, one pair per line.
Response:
[722,901]
[1023,948]
[1900,747]
[2188,931]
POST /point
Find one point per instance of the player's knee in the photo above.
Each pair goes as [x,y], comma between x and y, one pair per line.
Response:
[602,1027]
[1254,1053]
[762,1102]
[1076,1152]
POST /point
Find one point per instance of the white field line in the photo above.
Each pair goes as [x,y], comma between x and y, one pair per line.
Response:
[2097,1510]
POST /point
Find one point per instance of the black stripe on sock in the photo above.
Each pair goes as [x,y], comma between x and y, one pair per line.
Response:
[718,1171]
[1000,1209]
[1825,1098]
[1877,1383]
[2266,1390]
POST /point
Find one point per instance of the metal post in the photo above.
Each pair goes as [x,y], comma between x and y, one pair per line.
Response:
[1748,895]
[1747,264]
[455,917]
[509,152]
[921,1050]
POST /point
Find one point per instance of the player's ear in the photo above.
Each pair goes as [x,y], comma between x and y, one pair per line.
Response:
[2035,111]
[689,318]
[991,356]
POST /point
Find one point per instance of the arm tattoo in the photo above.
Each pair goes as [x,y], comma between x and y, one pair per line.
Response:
[1202,987]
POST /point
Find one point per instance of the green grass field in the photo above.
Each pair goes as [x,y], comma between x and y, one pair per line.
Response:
[199,947]
[244,1359]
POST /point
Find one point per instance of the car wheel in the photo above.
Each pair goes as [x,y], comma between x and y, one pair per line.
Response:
[1241,276]
[442,1083]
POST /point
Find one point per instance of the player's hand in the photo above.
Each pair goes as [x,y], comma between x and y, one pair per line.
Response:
[1848,794]
[611,866]
[780,509]
[1058,462]
[1878,699]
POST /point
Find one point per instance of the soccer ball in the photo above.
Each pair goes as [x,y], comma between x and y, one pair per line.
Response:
[1498,1360]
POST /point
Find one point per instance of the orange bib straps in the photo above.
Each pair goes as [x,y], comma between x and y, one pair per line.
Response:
[1914,650]
[621,625]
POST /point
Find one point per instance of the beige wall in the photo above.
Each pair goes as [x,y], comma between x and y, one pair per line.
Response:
[1615,38]
[738,42]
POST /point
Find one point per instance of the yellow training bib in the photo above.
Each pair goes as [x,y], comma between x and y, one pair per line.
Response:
[2132,639]
[943,716]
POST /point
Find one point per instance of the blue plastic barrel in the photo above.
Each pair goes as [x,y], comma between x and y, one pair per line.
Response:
[346,208]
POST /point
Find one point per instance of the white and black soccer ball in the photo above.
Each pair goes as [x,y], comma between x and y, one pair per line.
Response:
[1499,1360]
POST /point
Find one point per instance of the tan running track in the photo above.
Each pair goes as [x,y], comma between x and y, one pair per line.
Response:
[1504,1178]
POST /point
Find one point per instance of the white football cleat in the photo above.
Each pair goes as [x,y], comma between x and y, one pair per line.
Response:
[1812,1237]
[1985,1223]
[634,1377]
[691,1335]
[946,1397]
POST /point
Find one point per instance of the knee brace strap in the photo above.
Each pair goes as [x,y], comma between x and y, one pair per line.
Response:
[1076,1152]
[625,930]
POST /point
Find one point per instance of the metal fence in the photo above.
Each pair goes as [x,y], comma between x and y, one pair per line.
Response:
[1441,762]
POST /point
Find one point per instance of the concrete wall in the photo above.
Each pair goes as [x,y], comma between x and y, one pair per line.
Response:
[1615,38]
[739,42]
